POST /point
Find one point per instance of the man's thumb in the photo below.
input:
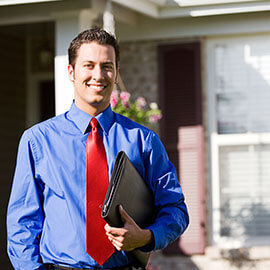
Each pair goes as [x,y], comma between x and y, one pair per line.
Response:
[124,215]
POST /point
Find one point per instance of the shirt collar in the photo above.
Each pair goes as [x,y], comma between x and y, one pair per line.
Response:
[82,119]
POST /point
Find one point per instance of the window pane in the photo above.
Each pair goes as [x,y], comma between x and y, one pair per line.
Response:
[245,189]
[242,84]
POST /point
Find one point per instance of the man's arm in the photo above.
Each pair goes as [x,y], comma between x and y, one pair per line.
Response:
[172,216]
[25,214]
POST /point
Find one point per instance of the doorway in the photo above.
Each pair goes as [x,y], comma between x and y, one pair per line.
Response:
[47,99]
[20,44]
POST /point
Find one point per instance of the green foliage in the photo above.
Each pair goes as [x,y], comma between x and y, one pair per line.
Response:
[139,111]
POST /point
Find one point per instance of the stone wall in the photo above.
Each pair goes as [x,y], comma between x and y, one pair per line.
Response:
[139,69]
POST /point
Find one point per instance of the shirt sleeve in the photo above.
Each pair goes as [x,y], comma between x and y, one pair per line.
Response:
[25,214]
[172,216]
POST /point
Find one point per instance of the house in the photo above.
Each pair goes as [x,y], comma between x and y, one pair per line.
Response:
[206,62]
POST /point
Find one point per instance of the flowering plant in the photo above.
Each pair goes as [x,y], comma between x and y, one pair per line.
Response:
[138,111]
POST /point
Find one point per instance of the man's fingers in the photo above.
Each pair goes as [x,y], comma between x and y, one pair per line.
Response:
[118,245]
[126,218]
[126,238]
[119,239]
[113,231]
[107,227]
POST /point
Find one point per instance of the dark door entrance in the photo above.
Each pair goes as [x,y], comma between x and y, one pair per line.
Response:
[47,100]
[13,78]
[12,115]
[181,132]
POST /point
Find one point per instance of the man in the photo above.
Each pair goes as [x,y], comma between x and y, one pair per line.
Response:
[52,218]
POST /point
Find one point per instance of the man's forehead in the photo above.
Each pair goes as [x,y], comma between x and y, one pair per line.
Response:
[95,45]
[95,50]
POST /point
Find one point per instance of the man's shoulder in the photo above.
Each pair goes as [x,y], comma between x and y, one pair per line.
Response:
[53,124]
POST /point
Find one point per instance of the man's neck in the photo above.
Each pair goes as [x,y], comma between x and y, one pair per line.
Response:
[90,109]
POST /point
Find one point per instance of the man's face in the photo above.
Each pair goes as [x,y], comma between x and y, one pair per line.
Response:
[94,76]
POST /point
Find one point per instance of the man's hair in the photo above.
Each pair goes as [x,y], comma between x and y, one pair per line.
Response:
[97,35]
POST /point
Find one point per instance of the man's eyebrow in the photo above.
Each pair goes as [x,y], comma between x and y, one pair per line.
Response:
[103,63]
[108,62]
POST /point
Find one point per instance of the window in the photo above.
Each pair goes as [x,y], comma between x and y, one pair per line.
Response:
[239,114]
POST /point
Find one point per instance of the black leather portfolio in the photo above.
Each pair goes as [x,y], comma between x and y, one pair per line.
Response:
[129,189]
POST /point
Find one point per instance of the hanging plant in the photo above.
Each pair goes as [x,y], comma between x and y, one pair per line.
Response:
[138,111]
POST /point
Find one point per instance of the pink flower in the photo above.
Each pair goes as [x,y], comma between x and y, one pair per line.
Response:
[115,95]
[113,102]
[114,98]
[124,96]
[155,118]
[141,103]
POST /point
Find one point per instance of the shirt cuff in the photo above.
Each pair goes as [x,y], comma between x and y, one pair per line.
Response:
[157,242]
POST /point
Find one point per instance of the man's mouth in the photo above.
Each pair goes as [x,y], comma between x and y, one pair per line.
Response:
[97,87]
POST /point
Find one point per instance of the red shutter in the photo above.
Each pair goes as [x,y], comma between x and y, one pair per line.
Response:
[180,92]
[191,160]
[181,104]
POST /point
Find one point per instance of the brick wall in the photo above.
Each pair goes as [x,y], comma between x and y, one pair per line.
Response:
[139,68]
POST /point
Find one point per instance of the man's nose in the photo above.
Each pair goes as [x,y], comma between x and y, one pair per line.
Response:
[97,73]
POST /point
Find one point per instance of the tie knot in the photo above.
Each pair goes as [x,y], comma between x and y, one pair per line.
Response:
[94,123]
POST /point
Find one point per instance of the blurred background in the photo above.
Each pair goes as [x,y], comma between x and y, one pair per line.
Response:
[206,63]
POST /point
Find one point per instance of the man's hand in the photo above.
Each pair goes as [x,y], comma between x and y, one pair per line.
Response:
[129,237]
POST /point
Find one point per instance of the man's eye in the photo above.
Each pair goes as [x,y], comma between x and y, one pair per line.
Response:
[88,65]
[108,67]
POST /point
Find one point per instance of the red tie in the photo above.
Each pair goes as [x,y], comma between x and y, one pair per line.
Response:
[98,245]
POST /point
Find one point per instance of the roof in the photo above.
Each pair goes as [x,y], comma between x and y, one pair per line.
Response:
[19,2]
[193,8]
[165,9]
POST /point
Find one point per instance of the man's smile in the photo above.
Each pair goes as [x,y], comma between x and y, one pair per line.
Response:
[96,87]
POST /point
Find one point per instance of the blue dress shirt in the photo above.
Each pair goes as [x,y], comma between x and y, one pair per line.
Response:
[46,212]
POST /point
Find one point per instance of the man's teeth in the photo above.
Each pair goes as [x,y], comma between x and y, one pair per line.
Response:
[97,87]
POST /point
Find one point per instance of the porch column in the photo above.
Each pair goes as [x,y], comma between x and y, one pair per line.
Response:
[68,25]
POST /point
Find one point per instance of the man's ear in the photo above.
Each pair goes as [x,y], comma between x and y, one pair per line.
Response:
[71,73]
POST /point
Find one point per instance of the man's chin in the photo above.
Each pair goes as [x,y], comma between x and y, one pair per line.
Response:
[99,104]
[96,102]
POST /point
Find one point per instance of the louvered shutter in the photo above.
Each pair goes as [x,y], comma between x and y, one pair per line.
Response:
[191,165]
[181,103]
[180,92]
